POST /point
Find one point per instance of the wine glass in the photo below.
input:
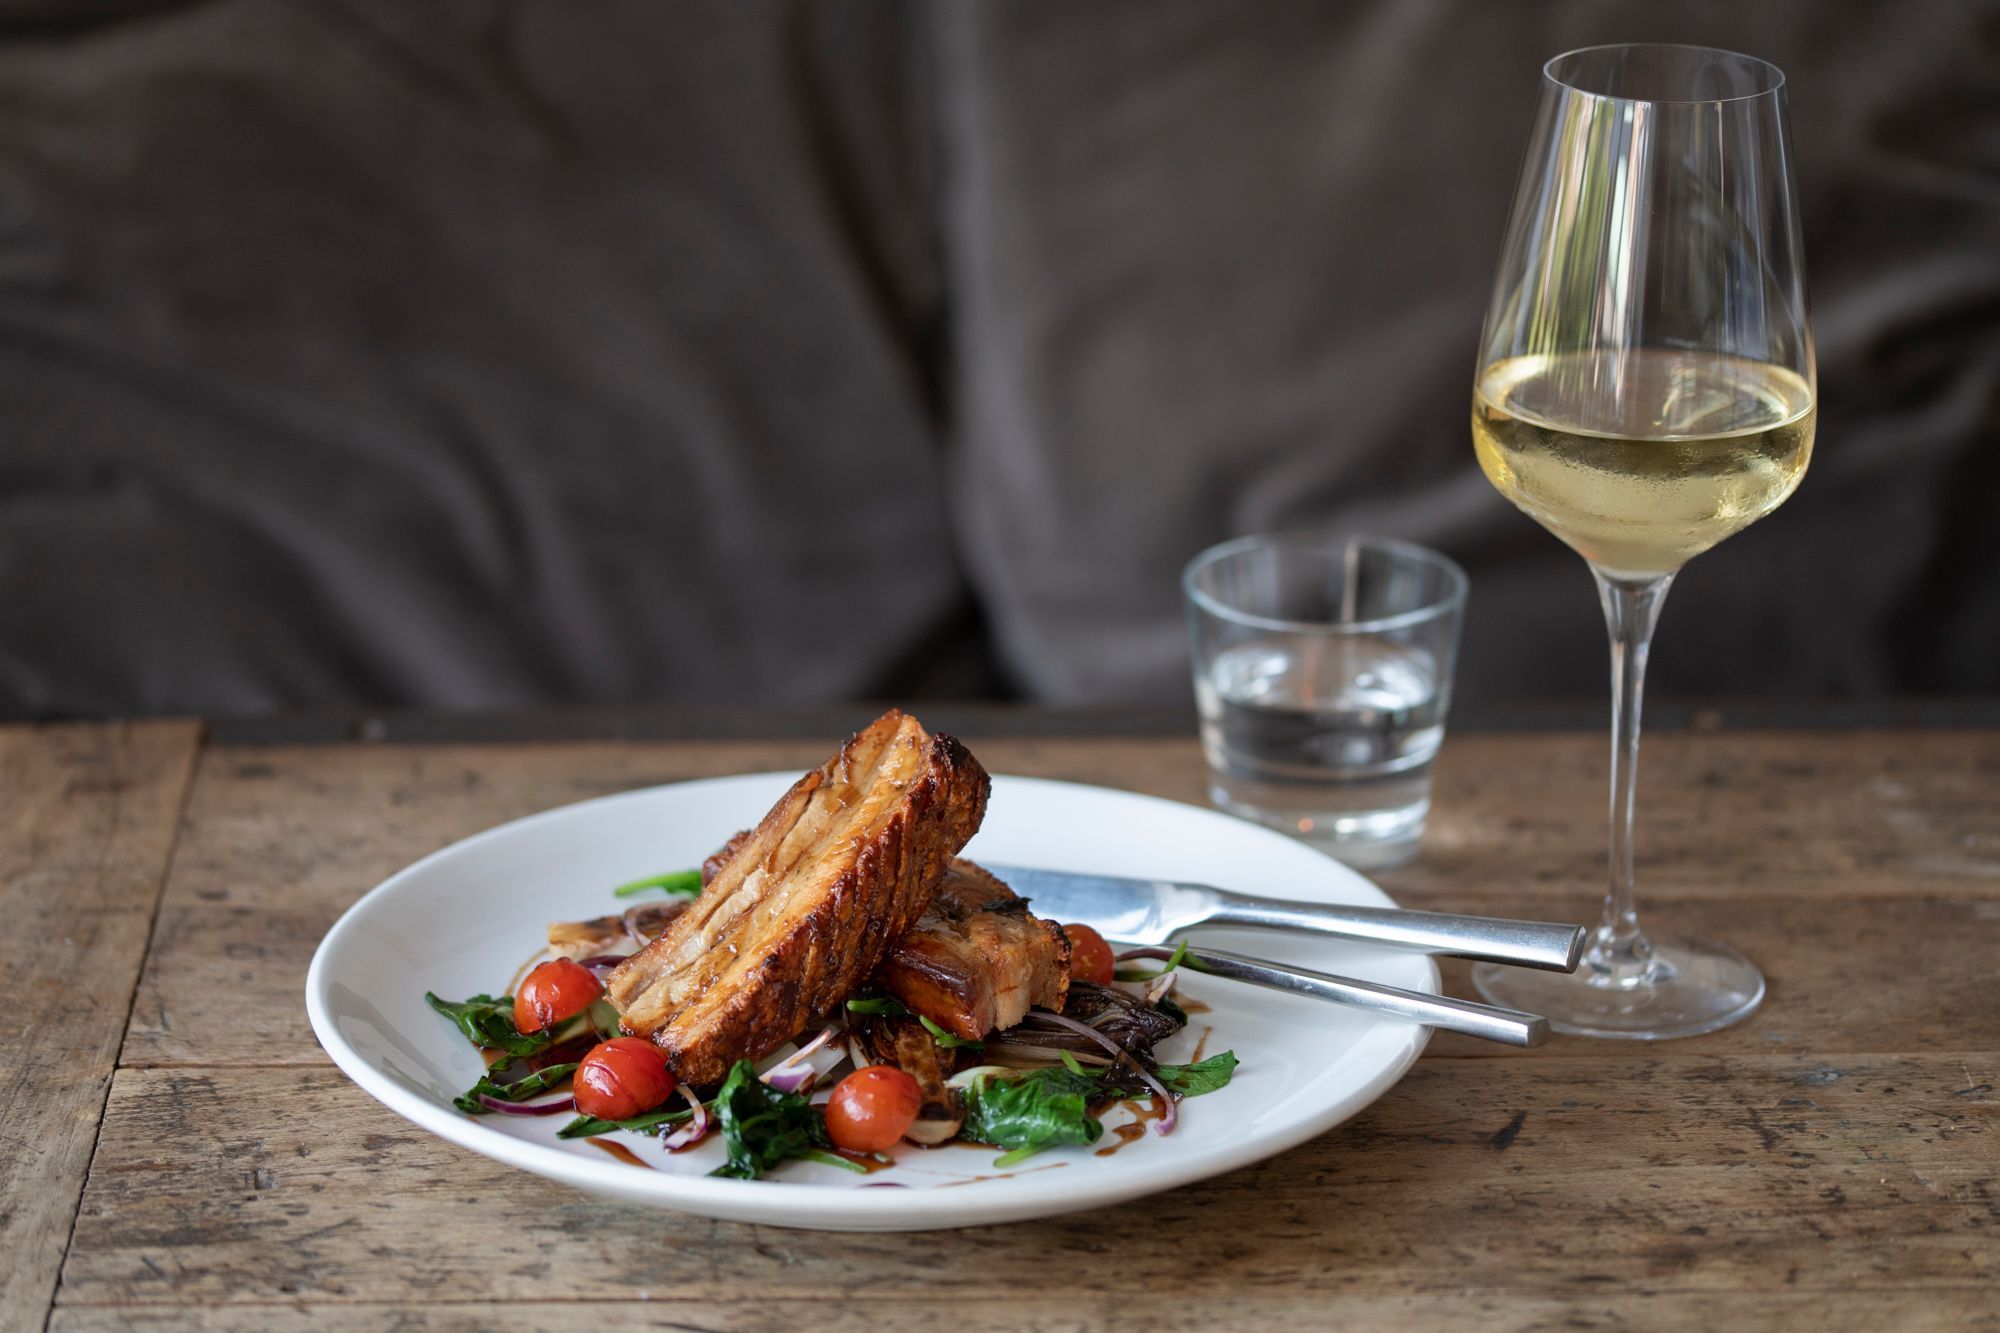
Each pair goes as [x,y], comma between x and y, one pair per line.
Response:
[1646,388]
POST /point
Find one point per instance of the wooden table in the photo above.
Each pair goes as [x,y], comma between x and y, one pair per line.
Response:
[176,1151]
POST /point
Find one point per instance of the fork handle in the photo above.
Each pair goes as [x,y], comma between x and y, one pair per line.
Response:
[1510,1026]
[1548,945]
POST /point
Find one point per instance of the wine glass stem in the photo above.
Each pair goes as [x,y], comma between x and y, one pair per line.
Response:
[1619,955]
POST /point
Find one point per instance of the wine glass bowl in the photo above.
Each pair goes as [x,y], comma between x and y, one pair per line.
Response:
[1702,446]
[1645,389]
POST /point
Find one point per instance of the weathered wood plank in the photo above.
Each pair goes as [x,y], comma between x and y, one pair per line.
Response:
[1634,1169]
[1077,1312]
[87,822]
[1825,814]
[1844,975]
[281,840]
[1833,1160]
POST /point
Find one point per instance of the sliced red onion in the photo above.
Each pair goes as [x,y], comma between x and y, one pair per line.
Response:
[694,1131]
[1035,1056]
[603,964]
[1148,993]
[787,1065]
[1117,1052]
[527,1108]
[791,1080]
[1154,987]
[630,921]
[826,1034]
[1168,1116]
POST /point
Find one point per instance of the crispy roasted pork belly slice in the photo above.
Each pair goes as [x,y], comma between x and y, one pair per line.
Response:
[809,903]
[977,959]
[614,934]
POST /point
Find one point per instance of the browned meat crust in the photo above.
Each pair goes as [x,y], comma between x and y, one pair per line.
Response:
[977,959]
[614,934]
[808,905]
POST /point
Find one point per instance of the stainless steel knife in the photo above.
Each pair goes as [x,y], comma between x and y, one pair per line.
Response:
[1153,911]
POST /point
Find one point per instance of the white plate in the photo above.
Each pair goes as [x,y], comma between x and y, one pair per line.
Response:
[465,919]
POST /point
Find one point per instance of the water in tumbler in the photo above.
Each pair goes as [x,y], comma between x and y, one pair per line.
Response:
[1327,739]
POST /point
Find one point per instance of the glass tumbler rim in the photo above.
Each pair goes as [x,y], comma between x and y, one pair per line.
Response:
[1448,604]
[1774,85]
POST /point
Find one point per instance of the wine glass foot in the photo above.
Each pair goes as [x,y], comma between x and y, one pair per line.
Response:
[1693,987]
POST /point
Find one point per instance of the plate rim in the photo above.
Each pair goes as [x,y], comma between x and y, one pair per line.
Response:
[1007,1199]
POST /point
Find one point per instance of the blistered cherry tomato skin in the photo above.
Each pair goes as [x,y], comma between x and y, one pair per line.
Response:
[621,1078]
[872,1108]
[1089,956]
[555,992]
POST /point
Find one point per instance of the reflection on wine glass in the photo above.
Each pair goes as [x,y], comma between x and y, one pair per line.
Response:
[1645,389]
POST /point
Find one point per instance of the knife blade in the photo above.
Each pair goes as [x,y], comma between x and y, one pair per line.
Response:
[1154,911]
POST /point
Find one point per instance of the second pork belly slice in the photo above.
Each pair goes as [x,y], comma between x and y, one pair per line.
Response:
[977,959]
[808,904]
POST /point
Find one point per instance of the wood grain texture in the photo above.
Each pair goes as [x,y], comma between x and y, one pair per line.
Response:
[1845,975]
[1671,1171]
[87,822]
[1908,814]
[1079,1312]
[1832,1161]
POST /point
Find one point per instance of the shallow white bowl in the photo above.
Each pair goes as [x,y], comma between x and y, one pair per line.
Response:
[466,918]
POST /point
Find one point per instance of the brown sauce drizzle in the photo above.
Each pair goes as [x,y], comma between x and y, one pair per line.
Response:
[1004,1175]
[1126,1134]
[621,1152]
[1194,1006]
[1202,1045]
[1144,1113]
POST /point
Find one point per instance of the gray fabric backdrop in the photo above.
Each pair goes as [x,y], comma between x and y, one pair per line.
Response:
[484,354]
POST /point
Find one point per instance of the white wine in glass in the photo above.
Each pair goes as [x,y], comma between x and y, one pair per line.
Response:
[1645,389]
[1697,446]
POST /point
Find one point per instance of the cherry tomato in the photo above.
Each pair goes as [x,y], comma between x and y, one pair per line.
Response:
[1089,956]
[621,1078]
[555,992]
[872,1108]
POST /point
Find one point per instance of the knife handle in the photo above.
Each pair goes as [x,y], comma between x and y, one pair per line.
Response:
[1549,945]
[1510,1026]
